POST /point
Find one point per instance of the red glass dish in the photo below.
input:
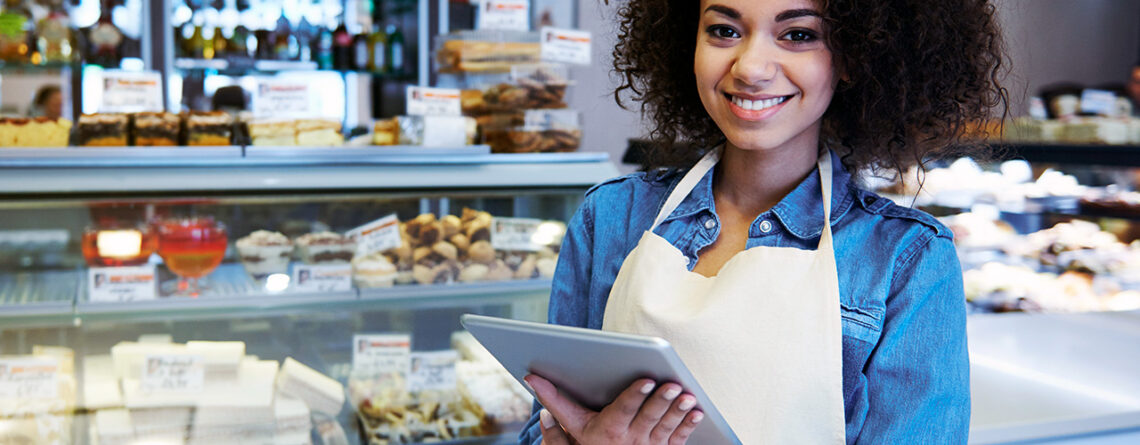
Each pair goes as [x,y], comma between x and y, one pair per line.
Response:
[191,248]
[118,246]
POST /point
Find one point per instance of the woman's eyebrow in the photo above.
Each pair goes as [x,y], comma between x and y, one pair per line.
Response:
[796,13]
[725,10]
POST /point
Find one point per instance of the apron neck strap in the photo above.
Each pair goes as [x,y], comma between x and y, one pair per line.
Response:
[690,180]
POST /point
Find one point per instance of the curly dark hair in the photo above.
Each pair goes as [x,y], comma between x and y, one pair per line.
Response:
[916,72]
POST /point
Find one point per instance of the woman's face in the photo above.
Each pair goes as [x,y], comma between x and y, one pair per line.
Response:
[763,71]
[53,105]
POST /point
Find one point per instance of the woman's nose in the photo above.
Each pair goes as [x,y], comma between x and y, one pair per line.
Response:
[756,62]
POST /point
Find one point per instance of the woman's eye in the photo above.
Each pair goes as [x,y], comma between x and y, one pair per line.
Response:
[799,35]
[722,32]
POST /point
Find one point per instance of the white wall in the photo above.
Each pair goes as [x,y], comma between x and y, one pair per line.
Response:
[1085,41]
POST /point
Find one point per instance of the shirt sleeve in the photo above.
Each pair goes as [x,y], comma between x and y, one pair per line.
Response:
[919,374]
[569,302]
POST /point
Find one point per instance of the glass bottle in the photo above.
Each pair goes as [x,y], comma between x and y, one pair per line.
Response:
[15,31]
[54,38]
[208,42]
[323,48]
[395,59]
[342,48]
[221,44]
[360,51]
[264,44]
[377,50]
[238,44]
[304,40]
[285,43]
[105,39]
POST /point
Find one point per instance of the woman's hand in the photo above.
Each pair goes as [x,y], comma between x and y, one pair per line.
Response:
[638,416]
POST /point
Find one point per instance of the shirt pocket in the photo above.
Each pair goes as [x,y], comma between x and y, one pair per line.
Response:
[861,332]
[860,324]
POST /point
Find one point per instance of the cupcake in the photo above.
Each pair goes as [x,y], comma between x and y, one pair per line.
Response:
[264,253]
[374,270]
[326,247]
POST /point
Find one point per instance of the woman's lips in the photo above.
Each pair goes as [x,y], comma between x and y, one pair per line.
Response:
[756,110]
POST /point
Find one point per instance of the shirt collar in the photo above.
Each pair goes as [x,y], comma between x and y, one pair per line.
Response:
[800,212]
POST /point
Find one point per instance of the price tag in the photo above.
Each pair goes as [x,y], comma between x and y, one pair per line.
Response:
[445,131]
[173,373]
[131,92]
[565,46]
[433,370]
[377,236]
[120,284]
[282,99]
[322,277]
[514,234]
[382,353]
[29,378]
[1098,102]
[511,15]
[425,101]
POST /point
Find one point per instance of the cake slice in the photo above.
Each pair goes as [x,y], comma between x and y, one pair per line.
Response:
[156,129]
[206,128]
[102,130]
[273,132]
[320,392]
[319,132]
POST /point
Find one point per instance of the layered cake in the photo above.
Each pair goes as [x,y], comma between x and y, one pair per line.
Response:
[264,253]
[208,128]
[386,132]
[156,129]
[326,247]
[101,130]
[319,132]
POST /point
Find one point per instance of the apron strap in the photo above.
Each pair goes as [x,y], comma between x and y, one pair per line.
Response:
[690,180]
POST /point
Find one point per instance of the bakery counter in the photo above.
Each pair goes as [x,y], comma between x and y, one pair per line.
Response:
[1075,154]
[1055,378]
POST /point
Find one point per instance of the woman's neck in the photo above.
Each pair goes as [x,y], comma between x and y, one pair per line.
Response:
[752,181]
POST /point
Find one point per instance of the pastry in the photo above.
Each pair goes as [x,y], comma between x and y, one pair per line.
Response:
[481,252]
[101,130]
[326,247]
[208,128]
[386,132]
[156,129]
[319,132]
[473,55]
[264,253]
[373,270]
[39,132]
[273,132]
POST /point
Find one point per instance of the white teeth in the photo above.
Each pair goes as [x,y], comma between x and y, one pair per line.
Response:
[754,105]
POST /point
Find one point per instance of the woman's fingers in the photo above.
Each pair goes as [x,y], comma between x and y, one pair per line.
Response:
[671,422]
[552,433]
[683,431]
[617,417]
[654,409]
[569,414]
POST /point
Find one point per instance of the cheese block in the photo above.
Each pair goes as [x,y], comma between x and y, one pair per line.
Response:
[320,392]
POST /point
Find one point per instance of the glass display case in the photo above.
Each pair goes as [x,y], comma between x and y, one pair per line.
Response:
[298,334]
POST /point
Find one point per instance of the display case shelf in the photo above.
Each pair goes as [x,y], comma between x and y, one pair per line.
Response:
[226,170]
[1079,154]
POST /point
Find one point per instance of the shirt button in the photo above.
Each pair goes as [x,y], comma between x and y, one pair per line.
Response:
[710,223]
[765,226]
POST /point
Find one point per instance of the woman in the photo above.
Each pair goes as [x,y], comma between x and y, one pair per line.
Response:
[48,103]
[800,331]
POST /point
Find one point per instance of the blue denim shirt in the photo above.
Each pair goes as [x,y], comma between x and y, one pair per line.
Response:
[905,364]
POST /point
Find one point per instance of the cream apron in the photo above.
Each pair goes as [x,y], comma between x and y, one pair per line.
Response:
[763,337]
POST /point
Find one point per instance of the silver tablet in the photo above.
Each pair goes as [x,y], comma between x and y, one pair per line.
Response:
[593,366]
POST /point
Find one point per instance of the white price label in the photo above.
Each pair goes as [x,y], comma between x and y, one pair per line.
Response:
[119,284]
[29,378]
[511,15]
[131,92]
[182,373]
[433,371]
[322,277]
[382,354]
[283,99]
[1098,102]
[377,236]
[565,46]
[514,234]
[425,101]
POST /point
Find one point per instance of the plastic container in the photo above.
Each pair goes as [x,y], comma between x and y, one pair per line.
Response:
[486,51]
[528,87]
[541,131]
